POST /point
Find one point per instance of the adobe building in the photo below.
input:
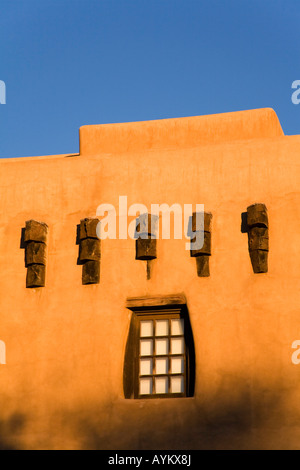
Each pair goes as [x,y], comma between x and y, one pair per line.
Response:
[143,344]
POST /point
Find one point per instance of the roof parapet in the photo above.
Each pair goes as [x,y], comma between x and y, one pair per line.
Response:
[179,132]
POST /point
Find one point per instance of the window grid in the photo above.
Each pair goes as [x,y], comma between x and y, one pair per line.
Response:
[151,377]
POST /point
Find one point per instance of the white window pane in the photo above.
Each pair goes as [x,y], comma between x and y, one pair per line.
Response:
[145,386]
[177,385]
[146,347]
[177,327]
[162,328]
[161,366]
[161,385]
[161,347]
[146,328]
[177,346]
[145,366]
[177,365]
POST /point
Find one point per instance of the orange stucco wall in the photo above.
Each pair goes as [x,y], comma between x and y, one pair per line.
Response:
[65,343]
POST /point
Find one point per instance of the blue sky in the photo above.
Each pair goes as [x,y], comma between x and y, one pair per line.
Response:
[67,63]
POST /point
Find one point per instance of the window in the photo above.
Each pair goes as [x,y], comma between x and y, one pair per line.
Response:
[159,358]
[161,368]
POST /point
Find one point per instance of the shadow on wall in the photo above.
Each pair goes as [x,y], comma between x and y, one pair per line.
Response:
[237,416]
[10,430]
[237,419]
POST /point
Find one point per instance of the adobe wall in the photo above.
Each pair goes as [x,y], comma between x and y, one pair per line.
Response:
[65,343]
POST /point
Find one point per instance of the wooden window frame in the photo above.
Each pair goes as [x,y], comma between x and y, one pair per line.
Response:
[169,307]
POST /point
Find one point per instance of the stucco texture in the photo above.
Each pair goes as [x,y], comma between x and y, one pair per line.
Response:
[62,385]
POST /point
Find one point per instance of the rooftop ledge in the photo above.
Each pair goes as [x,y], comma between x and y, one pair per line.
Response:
[179,132]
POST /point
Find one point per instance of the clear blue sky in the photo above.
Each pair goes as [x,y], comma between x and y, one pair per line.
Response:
[67,63]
